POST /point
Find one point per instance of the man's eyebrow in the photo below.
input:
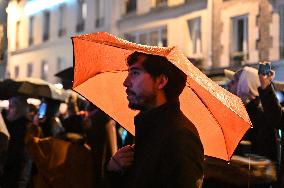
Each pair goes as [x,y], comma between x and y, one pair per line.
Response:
[134,68]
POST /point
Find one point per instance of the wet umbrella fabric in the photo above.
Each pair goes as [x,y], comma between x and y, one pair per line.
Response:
[100,69]
[31,87]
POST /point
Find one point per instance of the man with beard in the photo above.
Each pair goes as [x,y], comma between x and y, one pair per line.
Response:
[168,151]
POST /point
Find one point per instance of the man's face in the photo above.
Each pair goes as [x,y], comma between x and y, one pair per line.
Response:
[141,88]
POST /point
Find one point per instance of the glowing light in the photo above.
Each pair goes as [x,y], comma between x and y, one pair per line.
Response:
[35,6]
[279,96]
[58,86]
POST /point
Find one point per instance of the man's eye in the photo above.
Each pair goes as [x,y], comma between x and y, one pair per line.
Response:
[135,73]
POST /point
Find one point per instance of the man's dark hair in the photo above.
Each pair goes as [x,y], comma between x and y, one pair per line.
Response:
[157,65]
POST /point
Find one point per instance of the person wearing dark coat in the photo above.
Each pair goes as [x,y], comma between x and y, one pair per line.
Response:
[4,141]
[275,115]
[17,169]
[263,109]
[168,151]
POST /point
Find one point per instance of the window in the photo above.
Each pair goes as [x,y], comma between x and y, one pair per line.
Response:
[81,15]
[29,70]
[160,3]
[17,37]
[99,13]
[46,25]
[154,37]
[16,71]
[281,15]
[31,30]
[61,64]
[44,70]
[195,35]
[239,39]
[62,20]
[130,6]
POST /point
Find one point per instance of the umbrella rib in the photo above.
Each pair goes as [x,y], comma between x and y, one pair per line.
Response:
[212,116]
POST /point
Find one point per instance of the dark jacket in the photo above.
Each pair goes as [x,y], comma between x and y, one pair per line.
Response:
[271,107]
[264,114]
[17,169]
[168,151]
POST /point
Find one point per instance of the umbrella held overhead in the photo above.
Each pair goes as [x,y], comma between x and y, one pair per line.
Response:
[100,69]
[31,87]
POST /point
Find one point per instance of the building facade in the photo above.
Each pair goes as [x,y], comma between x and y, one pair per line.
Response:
[216,33]
[40,31]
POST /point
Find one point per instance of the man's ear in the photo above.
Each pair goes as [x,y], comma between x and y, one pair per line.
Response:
[162,81]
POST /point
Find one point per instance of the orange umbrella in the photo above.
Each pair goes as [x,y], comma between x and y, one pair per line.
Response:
[100,69]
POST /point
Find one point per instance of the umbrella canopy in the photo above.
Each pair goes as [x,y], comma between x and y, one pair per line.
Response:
[31,87]
[66,74]
[66,77]
[100,69]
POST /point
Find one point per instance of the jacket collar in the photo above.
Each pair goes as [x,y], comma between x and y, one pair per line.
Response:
[149,120]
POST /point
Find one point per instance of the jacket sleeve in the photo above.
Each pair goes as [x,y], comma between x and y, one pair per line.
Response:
[271,107]
[184,162]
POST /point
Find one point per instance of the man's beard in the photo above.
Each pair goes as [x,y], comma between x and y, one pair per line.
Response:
[143,102]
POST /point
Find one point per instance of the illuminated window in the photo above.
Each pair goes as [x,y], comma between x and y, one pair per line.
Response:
[194,26]
[99,13]
[46,25]
[44,70]
[239,39]
[81,15]
[62,20]
[31,30]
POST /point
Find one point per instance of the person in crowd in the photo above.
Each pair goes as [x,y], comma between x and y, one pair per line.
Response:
[257,94]
[168,151]
[74,121]
[63,161]
[32,111]
[4,141]
[275,114]
[101,136]
[48,118]
[18,165]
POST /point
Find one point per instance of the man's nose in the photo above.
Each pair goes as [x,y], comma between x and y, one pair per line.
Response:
[126,82]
